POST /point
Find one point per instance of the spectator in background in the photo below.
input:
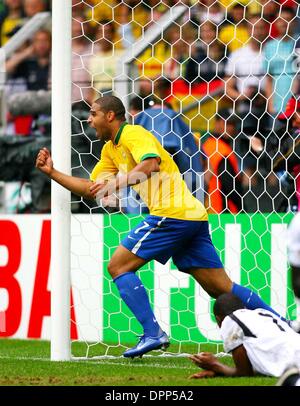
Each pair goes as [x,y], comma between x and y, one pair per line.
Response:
[130,17]
[235,33]
[207,10]
[138,104]
[244,86]
[288,157]
[207,61]
[125,26]
[175,65]
[121,13]
[157,58]
[278,63]
[102,10]
[270,11]
[151,62]
[135,11]
[32,7]
[103,66]
[33,63]
[244,68]
[296,62]
[13,17]
[82,51]
[30,68]
[223,182]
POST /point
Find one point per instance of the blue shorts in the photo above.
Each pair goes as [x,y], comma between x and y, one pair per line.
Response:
[187,242]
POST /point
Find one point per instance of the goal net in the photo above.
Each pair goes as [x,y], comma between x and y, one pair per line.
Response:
[213,81]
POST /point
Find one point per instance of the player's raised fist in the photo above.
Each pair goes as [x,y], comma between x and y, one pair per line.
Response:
[44,161]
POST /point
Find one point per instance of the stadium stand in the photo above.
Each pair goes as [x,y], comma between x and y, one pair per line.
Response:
[237,55]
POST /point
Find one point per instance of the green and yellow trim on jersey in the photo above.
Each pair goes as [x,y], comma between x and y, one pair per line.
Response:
[118,135]
[147,156]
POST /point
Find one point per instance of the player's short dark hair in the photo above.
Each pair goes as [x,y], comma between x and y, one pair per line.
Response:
[112,103]
[226,304]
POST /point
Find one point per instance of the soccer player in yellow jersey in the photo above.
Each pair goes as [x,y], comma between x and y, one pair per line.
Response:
[176,227]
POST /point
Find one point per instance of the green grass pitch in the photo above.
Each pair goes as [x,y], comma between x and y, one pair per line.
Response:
[24,362]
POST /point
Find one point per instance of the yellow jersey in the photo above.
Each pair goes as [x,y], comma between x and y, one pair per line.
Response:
[234,36]
[165,192]
[9,24]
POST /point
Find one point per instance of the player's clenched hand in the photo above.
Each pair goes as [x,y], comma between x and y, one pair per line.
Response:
[103,188]
[98,189]
[44,161]
[204,360]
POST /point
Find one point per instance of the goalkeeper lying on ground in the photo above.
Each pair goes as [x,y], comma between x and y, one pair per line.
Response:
[259,341]
[177,226]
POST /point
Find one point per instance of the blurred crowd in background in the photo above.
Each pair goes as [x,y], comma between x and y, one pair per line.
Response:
[219,88]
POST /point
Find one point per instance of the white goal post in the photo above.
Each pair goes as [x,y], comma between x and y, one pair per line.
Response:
[60,198]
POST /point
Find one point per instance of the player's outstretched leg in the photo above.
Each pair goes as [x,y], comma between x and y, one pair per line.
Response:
[134,294]
[251,300]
